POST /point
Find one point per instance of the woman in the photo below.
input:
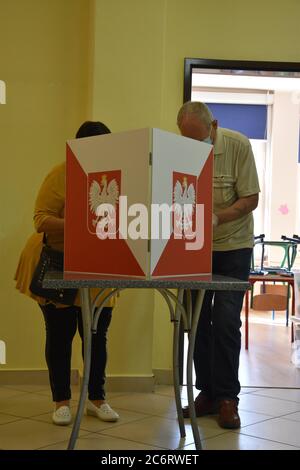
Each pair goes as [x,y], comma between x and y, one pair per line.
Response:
[62,321]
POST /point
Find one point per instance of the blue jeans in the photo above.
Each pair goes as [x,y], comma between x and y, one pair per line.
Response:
[218,337]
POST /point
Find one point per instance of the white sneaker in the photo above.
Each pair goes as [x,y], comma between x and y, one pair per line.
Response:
[62,416]
[104,412]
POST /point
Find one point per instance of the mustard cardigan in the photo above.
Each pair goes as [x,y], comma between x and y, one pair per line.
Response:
[50,202]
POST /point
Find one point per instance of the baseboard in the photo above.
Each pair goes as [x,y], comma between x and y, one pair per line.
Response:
[132,383]
[31,377]
[163,376]
[114,383]
[138,384]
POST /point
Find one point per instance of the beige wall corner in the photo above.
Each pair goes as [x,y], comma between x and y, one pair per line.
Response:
[163,376]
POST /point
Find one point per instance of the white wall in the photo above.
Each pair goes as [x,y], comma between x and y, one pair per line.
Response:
[285,182]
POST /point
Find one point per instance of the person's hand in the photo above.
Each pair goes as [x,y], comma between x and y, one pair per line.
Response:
[215,220]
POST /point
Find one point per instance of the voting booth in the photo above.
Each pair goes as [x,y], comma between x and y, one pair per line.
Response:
[138,204]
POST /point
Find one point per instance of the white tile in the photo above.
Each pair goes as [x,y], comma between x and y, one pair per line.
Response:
[146,403]
[266,405]
[94,424]
[280,430]
[232,441]
[100,442]
[280,393]
[161,432]
[4,418]
[7,393]
[292,416]
[28,405]
[248,390]
[26,434]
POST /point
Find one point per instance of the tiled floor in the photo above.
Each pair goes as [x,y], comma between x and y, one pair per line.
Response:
[270,420]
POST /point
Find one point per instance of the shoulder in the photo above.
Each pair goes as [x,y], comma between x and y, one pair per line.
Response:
[58,170]
[57,174]
[234,137]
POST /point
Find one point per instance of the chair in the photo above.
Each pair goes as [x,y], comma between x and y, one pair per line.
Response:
[289,246]
[274,297]
[269,300]
[276,281]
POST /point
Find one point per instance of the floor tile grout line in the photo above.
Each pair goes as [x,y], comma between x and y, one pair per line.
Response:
[13,421]
[253,424]
[147,416]
[117,426]
[256,412]
[61,442]
[228,431]
[112,426]
[282,416]
[277,398]
[288,414]
[265,439]
[13,416]
[208,438]
[128,423]
[107,435]
[142,412]
[137,442]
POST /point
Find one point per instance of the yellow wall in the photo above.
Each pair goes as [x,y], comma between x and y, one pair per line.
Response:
[140,47]
[137,72]
[128,64]
[43,61]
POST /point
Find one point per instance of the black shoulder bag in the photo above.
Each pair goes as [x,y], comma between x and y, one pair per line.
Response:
[51,260]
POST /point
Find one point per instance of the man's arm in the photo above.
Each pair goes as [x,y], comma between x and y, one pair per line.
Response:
[241,207]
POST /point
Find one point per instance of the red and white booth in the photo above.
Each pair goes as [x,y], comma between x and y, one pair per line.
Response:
[141,174]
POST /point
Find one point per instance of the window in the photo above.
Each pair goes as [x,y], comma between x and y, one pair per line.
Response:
[259,101]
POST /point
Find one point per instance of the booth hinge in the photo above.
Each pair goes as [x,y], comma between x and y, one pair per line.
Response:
[149,245]
[150,158]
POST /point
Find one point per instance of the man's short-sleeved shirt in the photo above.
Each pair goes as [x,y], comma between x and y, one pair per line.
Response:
[235,176]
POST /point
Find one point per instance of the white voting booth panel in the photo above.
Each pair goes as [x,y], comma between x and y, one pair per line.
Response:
[151,168]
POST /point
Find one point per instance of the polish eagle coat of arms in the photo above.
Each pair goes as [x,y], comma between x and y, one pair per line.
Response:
[184,199]
[103,193]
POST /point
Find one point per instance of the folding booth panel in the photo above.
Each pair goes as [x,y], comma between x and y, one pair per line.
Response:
[138,173]
[182,173]
[99,170]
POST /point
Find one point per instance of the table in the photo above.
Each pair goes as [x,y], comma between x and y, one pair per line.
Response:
[266,278]
[190,316]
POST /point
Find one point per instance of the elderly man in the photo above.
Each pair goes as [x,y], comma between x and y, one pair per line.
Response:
[235,196]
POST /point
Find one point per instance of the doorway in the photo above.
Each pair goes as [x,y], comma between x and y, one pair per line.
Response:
[239,88]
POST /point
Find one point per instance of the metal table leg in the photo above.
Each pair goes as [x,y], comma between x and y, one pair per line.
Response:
[90,320]
[175,319]
[191,347]
[87,338]
[90,316]
[176,379]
